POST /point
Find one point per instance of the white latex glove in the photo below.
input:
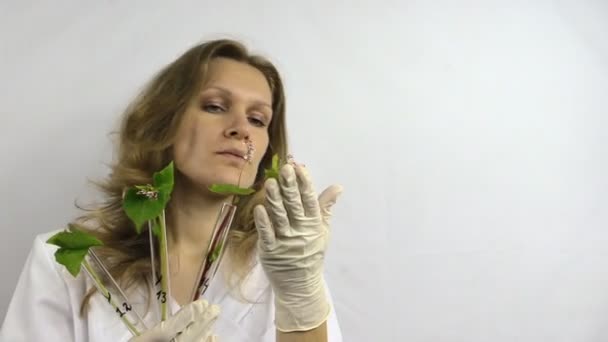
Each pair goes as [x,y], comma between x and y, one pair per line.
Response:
[293,233]
[192,323]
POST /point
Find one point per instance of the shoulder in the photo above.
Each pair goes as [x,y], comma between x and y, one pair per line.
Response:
[42,255]
[45,300]
[41,247]
[44,268]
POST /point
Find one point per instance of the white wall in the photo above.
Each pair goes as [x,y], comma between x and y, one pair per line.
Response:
[471,138]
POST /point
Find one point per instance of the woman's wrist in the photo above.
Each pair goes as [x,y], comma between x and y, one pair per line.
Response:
[303,311]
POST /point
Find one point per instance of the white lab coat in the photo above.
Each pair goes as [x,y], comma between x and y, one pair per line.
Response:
[47,299]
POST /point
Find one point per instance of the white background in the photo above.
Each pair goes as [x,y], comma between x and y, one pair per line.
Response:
[471,138]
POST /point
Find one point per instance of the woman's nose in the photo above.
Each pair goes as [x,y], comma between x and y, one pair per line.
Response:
[239,127]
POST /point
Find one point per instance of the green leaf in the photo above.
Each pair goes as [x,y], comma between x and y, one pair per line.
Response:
[275,162]
[270,173]
[164,197]
[141,209]
[273,172]
[215,254]
[74,239]
[163,180]
[229,189]
[73,246]
[71,258]
[156,227]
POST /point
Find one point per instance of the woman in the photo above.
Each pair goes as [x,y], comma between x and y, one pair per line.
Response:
[202,112]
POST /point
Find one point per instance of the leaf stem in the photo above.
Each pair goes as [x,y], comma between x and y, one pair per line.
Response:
[164,266]
[235,197]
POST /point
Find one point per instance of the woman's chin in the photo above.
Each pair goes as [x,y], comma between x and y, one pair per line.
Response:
[232,179]
[204,182]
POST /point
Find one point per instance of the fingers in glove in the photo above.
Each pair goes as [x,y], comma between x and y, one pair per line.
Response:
[276,209]
[185,316]
[291,193]
[202,328]
[310,202]
[264,227]
[327,199]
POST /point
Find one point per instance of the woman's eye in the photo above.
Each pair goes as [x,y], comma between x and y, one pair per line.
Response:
[257,122]
[213,108]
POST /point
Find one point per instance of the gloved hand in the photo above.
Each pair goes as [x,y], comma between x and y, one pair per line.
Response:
[192,323]
[293,233]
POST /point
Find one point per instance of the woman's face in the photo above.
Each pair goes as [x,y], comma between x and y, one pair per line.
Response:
[232,107]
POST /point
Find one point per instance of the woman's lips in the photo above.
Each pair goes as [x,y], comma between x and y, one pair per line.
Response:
[232,156]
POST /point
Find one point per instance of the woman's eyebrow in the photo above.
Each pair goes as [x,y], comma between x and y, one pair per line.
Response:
[228,92]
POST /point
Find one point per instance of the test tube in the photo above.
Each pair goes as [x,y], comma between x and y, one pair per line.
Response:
[215,250]
[109,288]
[161,295]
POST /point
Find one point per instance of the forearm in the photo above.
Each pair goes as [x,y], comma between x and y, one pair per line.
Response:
[318,334]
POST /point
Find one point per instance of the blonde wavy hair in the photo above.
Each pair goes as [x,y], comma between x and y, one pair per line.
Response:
[144,146]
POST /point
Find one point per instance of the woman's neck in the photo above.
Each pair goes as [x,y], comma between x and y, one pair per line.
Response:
[190,220]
